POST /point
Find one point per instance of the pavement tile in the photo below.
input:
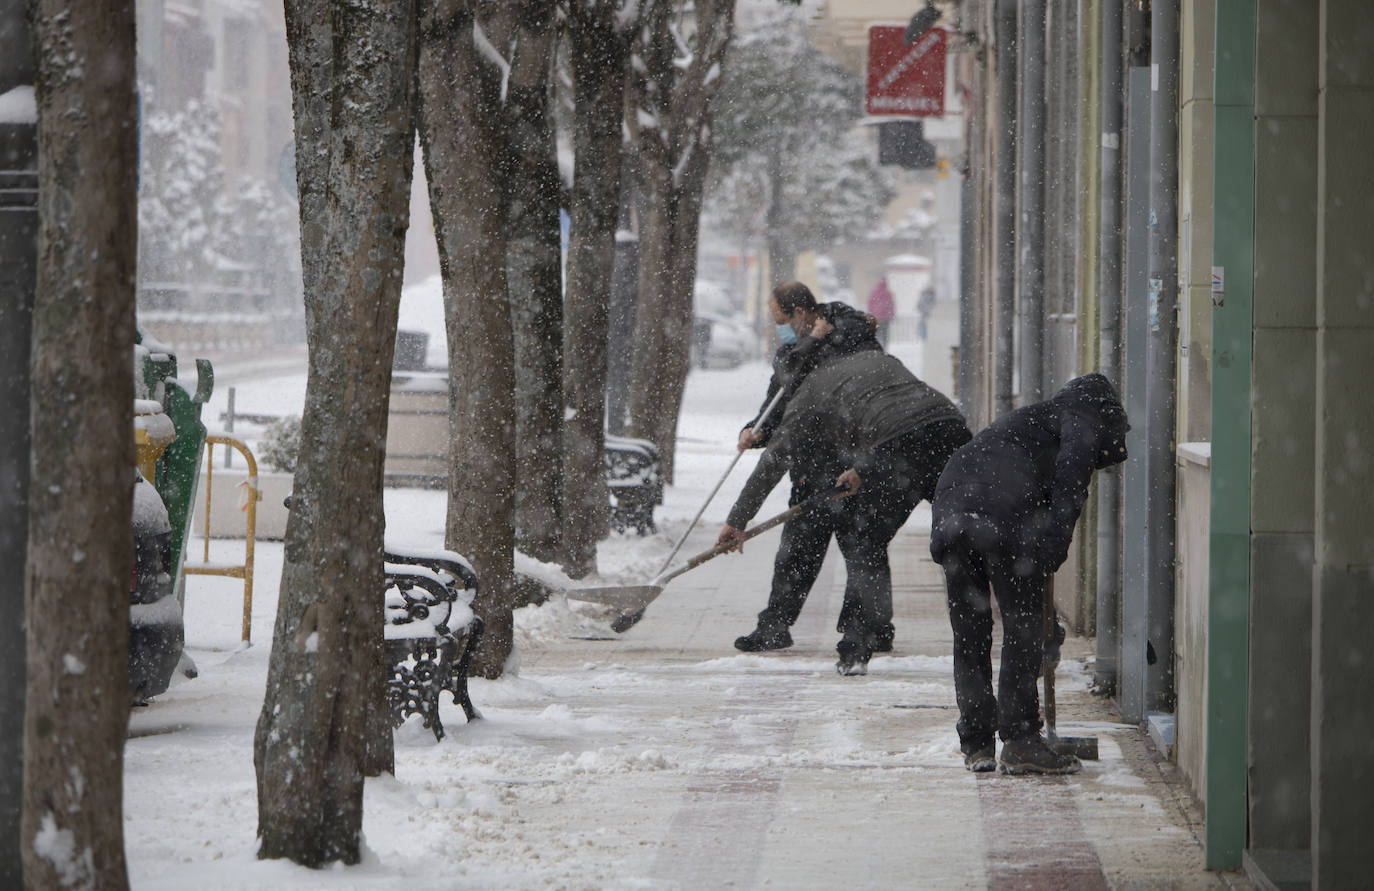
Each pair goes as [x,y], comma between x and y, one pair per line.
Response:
[786,775]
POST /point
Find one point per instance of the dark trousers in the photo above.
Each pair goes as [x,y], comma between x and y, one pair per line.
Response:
[805,539]
[972,576]
[903,475]
[864,531]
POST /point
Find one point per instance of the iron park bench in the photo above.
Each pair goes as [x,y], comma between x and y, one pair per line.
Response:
[635,479]
[431,632]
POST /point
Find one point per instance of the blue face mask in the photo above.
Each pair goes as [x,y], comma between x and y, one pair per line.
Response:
[786,334]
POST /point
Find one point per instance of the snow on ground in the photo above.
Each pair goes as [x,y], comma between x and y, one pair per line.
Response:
[190,796]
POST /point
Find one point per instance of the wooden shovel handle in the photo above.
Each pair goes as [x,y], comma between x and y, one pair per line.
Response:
[1049,665]
[818,498]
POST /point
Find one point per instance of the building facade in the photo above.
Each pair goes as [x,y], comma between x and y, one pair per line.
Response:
[1176,194]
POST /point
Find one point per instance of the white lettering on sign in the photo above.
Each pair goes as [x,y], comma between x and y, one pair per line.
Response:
[904,103]
[913,55]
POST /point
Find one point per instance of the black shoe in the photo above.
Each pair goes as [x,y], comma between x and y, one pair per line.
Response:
[882,641]
[853,658]
[761,639]
[852,667]
[1034,755]
[982,760]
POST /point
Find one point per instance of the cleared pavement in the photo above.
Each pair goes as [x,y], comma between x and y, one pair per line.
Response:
[774,771]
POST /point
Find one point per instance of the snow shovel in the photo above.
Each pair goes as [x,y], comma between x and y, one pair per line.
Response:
[1084,747]
[768,410]
[634,599]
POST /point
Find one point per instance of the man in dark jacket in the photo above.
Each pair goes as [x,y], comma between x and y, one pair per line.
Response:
[812,333]
[1002,519]
[868,413]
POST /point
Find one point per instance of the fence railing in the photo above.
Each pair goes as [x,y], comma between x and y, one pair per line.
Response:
[251,497]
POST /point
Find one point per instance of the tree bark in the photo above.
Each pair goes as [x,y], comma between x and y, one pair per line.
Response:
[323,725]
[534,267]
[674,150]
[599,48]
[782,250]
[620,332]
[663,327]
[81,494]
[463,131]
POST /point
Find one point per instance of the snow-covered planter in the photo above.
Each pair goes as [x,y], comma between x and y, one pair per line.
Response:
[230,488]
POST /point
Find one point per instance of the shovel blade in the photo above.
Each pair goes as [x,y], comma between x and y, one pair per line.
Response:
[626,598]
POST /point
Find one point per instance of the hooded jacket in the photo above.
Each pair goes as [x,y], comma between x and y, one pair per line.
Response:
[1018,487]
[840,416]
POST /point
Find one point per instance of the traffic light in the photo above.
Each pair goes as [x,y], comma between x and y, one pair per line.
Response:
[903,143]
[921,22]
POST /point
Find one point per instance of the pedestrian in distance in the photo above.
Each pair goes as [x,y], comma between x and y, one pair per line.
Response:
[810,334]
[925,305]
[892,433]
[883,307]
[1002,520]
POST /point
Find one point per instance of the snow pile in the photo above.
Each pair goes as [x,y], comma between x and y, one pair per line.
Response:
[17,106]
[556,620]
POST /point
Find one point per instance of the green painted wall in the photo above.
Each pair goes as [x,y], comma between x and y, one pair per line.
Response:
[1229,553]
[1283,425]
[1343,603]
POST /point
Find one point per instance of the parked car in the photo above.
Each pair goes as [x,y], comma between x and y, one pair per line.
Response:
[709,297]
[156,633]
[722,336]
[720,341]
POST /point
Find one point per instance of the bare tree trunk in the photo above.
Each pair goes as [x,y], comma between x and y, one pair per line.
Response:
[599,50]
[681,287]
[663,328]
[620,332]
[321,727]
[81,493]
[782,250]
[534,267]
[674,150]
[463,131]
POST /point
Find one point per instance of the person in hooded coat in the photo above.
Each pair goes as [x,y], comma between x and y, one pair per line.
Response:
[1002,519]
[882,306]
[811,334]
[892,432]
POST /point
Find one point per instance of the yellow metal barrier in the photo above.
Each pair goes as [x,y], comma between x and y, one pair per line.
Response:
[250,509]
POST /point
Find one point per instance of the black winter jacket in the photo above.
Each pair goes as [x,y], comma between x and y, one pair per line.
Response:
[1017,488]
[840,417]
[855,330]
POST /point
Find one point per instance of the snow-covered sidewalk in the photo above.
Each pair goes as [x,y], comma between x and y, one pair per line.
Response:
[663,758]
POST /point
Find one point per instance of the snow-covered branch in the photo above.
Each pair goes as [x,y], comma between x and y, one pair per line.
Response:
[627,15]
[490,53]
[684,56]
[681,166]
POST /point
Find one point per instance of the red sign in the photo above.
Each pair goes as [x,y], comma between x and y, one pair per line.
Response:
[905,80]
